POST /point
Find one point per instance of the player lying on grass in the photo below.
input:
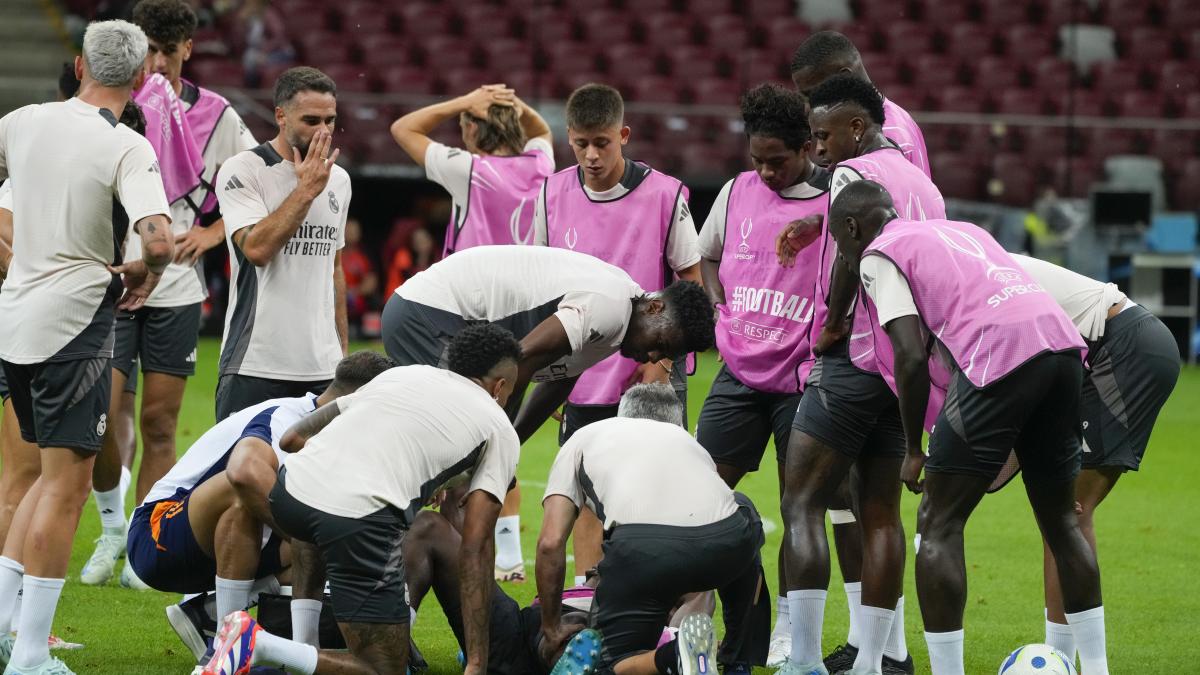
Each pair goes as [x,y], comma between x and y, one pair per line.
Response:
[663,539]
[206,524]
[1133,363]
[364,467]
[1017,373]
[432,560]
[569,310]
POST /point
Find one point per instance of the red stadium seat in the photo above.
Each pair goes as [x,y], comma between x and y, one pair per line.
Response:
[302,23]
[970,41]
[707,7]
[462,80]
[763,10]
[607,26]
[692,62]
[487,22]
[380,149]
[1001,13]
[957,176]
[364,17]
[421,18]
[716,91]
[995,74]
[934,71]
[960,99]
[1114,77]
[445,52]
[755,66]
[883,69]
[1148,45]
[1012,181]
[407,80]
[216,73]
[1053,75]
[1029,43]
[1083,103]
[865,38]
[325,48]
[1178,78]
[507,54]
[626,59]
[384,50]
[1073,177]
[584,6]
[944,14]
[1063,12]
[566,57]
[1191,106]
[1183,14]
[880,12]
[350,76]
[908,38]
[648,6]
[786,33]
[910,97]
[552,26]
[668,28]
[706,160]
[1174,146]
[1143,104]
[653,89]
[1020,102]
[726,32]
[1122,14]
[569,82]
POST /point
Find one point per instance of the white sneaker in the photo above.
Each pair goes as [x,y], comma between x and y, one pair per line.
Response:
[696,644]
[100,567]
[7,641]
[790,667]
[129,579]
[777,653]
[50,666]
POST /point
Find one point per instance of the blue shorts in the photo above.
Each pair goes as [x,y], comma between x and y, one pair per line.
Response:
[164,552]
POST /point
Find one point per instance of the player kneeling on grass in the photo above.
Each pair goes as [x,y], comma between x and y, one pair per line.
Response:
[364,468]
[1017,375]
[431,562]
[205,525]
[672,527]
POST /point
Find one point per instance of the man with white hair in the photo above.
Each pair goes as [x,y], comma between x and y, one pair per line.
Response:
[663,539]
[79,179]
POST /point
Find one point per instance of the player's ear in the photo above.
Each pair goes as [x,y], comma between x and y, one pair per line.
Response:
[187,49]
[280,117]
[625,132]
[852,228]
[655,305]
[79,68]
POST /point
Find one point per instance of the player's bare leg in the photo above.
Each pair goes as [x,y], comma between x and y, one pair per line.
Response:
[20,466]
[162,396]
[110,498]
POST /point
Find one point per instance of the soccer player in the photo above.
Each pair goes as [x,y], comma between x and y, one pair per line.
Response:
[1017,375]
[663,539]
[826,54]
[432,550]
[201,526]
[364,466]
[764,310]
[627,214]
[493,184]
[1133,366]
[569,309]
[848,413]
[70,163]
[285,204]
[162,336]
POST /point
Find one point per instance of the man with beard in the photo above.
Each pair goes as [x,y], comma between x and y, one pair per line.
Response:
[285,204]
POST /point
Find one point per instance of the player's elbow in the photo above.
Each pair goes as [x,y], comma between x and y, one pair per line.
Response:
[257,255]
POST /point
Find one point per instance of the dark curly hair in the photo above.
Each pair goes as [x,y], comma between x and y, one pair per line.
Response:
[165,21]
[477,349]
[133,117]
[690,308]
[849,89]
[358,369]
[823,48]
[68,84]
[773,111]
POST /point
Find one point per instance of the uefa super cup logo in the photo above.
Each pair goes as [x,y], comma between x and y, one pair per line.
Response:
[571,238]
[514,225]
[745,229]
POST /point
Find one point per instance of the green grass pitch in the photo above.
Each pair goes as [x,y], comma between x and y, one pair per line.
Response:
[1148,541]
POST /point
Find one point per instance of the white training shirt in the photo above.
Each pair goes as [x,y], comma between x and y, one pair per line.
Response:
[591,298]
[6,197]
[280,324]
[1084,299]
[887,288]
[450,167]
[184,284]
[74,169]
[210,453]
[640,471]
[682,248]
[712,234]
[402,437]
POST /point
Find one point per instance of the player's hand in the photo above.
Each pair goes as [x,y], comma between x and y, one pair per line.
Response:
[910,471]
[312,171]
[831,334]
[796,236]
[192,244]
[139,283]
[477,102]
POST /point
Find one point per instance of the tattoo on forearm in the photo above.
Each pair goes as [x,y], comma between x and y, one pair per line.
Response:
[150,227]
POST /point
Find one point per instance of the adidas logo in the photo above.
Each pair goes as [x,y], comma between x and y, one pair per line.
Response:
[234,184]
[106,511]
[505,531]
[154,168]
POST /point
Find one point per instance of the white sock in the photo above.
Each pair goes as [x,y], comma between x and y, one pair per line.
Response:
[1088,628]
[945,652]
[33,629]
[11,573]
[412,617]
[295,657]
[807,612]
[580,579]
[874,628]
[124,483]
[508,542]
[112,509]
[1059,636]
[306,622]
[854,604]
[897,645]
[232,595]
[783,621]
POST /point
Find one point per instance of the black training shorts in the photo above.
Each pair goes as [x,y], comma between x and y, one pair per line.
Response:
[737,421]
[164,338]
[848,409]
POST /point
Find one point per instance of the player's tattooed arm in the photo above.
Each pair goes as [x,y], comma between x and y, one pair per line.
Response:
[912,388]
[477,560]
[158,246]
[551,566]
[294,438]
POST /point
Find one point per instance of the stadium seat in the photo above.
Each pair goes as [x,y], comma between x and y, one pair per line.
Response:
[1142,104]
[350,77]
[692,62]
[716,91]
[502,55]
[457,81]
[441,53]
[303,23]
[1179,78]
[1052,75]
[1191,106]
[1183,14]
[1125,13]
[379,149]
[707,7]
[959,99]
[421,18]
[566,83]
[568,56]
[1116,77]
[1073,176]
[1175,146]
[786,33]
[706,161]
[726,32]
[1019,102]
[626,59]
[1029,43]
[884,11]
[668,28]
[765,9]
[957,176]
[411,80]
[909,38]
[866,38]
[361,17]
[883,69]
[1065,12]
[652,89]
[647,6]
[970,41]
[1147,45]
[910,97]
[755,66]
[934,71]
[486,22]
[324,48]
[1012,180]
[994,74]
[943,14]
[384,50]
[1005,12]
[1081,103]
[216,73]
[551,26]
[606,26]
[1186,192]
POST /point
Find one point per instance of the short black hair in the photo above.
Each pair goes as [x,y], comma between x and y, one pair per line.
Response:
[477,349]
[857,198]
[133,117]
[775,112]
[849,89]
[821,49]
[165,21]
[594,106]
[68,84]
[691,309]
[358,369]
[302,78]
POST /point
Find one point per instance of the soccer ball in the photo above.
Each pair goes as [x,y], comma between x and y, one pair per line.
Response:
[1037,659]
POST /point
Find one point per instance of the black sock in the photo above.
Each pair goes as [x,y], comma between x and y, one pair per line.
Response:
[666,658]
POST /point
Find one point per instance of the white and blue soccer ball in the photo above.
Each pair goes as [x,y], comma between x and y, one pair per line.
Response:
[1037,659]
